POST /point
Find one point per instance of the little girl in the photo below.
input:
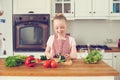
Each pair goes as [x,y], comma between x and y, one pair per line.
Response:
[60,42]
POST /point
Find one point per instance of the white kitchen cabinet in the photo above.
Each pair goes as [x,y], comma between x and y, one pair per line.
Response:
[107,58]
[63,6]
[91,9]
[31,6]
[113,59]
[116,63]
[115,9]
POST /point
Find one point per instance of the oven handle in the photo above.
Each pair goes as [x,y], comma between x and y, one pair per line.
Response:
[31,12]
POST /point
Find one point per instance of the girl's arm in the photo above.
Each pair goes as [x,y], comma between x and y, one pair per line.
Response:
[73,53]
[48,48]
[47,52]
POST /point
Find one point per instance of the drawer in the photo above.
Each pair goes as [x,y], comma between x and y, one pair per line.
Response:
[107,55]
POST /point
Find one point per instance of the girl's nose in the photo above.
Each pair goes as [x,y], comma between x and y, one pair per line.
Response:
[59,29]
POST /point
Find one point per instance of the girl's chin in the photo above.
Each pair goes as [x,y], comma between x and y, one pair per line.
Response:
[61,34]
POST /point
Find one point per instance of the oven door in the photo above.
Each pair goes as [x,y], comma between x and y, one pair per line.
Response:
[31,36]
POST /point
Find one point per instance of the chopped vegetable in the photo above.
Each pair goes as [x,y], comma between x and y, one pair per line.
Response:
[59,58]
[62,59]
[43,57]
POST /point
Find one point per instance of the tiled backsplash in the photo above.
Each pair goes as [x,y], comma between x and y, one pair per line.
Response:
[94,31]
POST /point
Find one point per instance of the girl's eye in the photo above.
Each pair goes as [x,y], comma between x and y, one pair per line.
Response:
[62,27]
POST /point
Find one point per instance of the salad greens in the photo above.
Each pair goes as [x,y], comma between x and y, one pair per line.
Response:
[12,61]
[93,56]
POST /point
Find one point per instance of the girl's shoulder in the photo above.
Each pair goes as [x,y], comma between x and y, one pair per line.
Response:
[51,36]
[50,40]
[71,38]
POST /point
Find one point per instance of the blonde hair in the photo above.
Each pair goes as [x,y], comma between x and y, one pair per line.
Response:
[60,16]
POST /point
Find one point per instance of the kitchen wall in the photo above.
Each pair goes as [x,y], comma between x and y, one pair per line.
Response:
[84,31]
[6,27]
[94,31]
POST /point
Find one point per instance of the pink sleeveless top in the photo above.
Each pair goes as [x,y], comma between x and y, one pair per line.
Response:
[61,46]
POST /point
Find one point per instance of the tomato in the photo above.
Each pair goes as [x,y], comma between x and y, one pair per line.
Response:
[54,64]
[50,64]
[46,64]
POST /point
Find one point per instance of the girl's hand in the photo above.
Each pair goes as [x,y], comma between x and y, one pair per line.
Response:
[49,56]
[67,56]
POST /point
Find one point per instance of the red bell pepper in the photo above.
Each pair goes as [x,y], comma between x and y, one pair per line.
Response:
[30,61]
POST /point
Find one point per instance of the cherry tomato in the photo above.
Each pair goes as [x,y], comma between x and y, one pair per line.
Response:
[46,64]
[54,64]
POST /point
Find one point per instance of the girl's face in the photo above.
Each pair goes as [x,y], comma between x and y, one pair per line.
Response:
[60,27]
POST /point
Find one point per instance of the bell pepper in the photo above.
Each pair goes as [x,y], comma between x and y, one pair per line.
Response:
[30,61]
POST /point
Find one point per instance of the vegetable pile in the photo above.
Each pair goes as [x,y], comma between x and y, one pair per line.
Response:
[31,61]
[93,57]
[52,63]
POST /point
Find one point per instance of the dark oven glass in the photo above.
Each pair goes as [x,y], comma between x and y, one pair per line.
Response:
[30,32]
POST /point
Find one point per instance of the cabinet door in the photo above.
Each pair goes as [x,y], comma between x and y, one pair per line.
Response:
[63,6]
[83,8]
[116,63]
[109,62]
[100,8]
[31,6]
[91,9]
[107,58]
[114,7]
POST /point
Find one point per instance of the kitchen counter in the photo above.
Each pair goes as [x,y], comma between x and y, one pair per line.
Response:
[78,68]
[78,71]
[114,49]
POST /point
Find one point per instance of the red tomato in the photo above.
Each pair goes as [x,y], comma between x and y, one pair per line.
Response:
[54,64]
[46,64]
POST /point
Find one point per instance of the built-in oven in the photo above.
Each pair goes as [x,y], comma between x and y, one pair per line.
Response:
[30,31]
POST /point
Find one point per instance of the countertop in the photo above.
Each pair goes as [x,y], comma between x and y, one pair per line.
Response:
[78,68]
[114,49]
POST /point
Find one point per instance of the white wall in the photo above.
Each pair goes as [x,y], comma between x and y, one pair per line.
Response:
[6,28]
[94,31]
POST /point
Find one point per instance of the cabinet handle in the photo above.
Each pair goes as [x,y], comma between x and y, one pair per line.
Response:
[90,12]
[31,12]
[115,56]
[111,12]
[94,12]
